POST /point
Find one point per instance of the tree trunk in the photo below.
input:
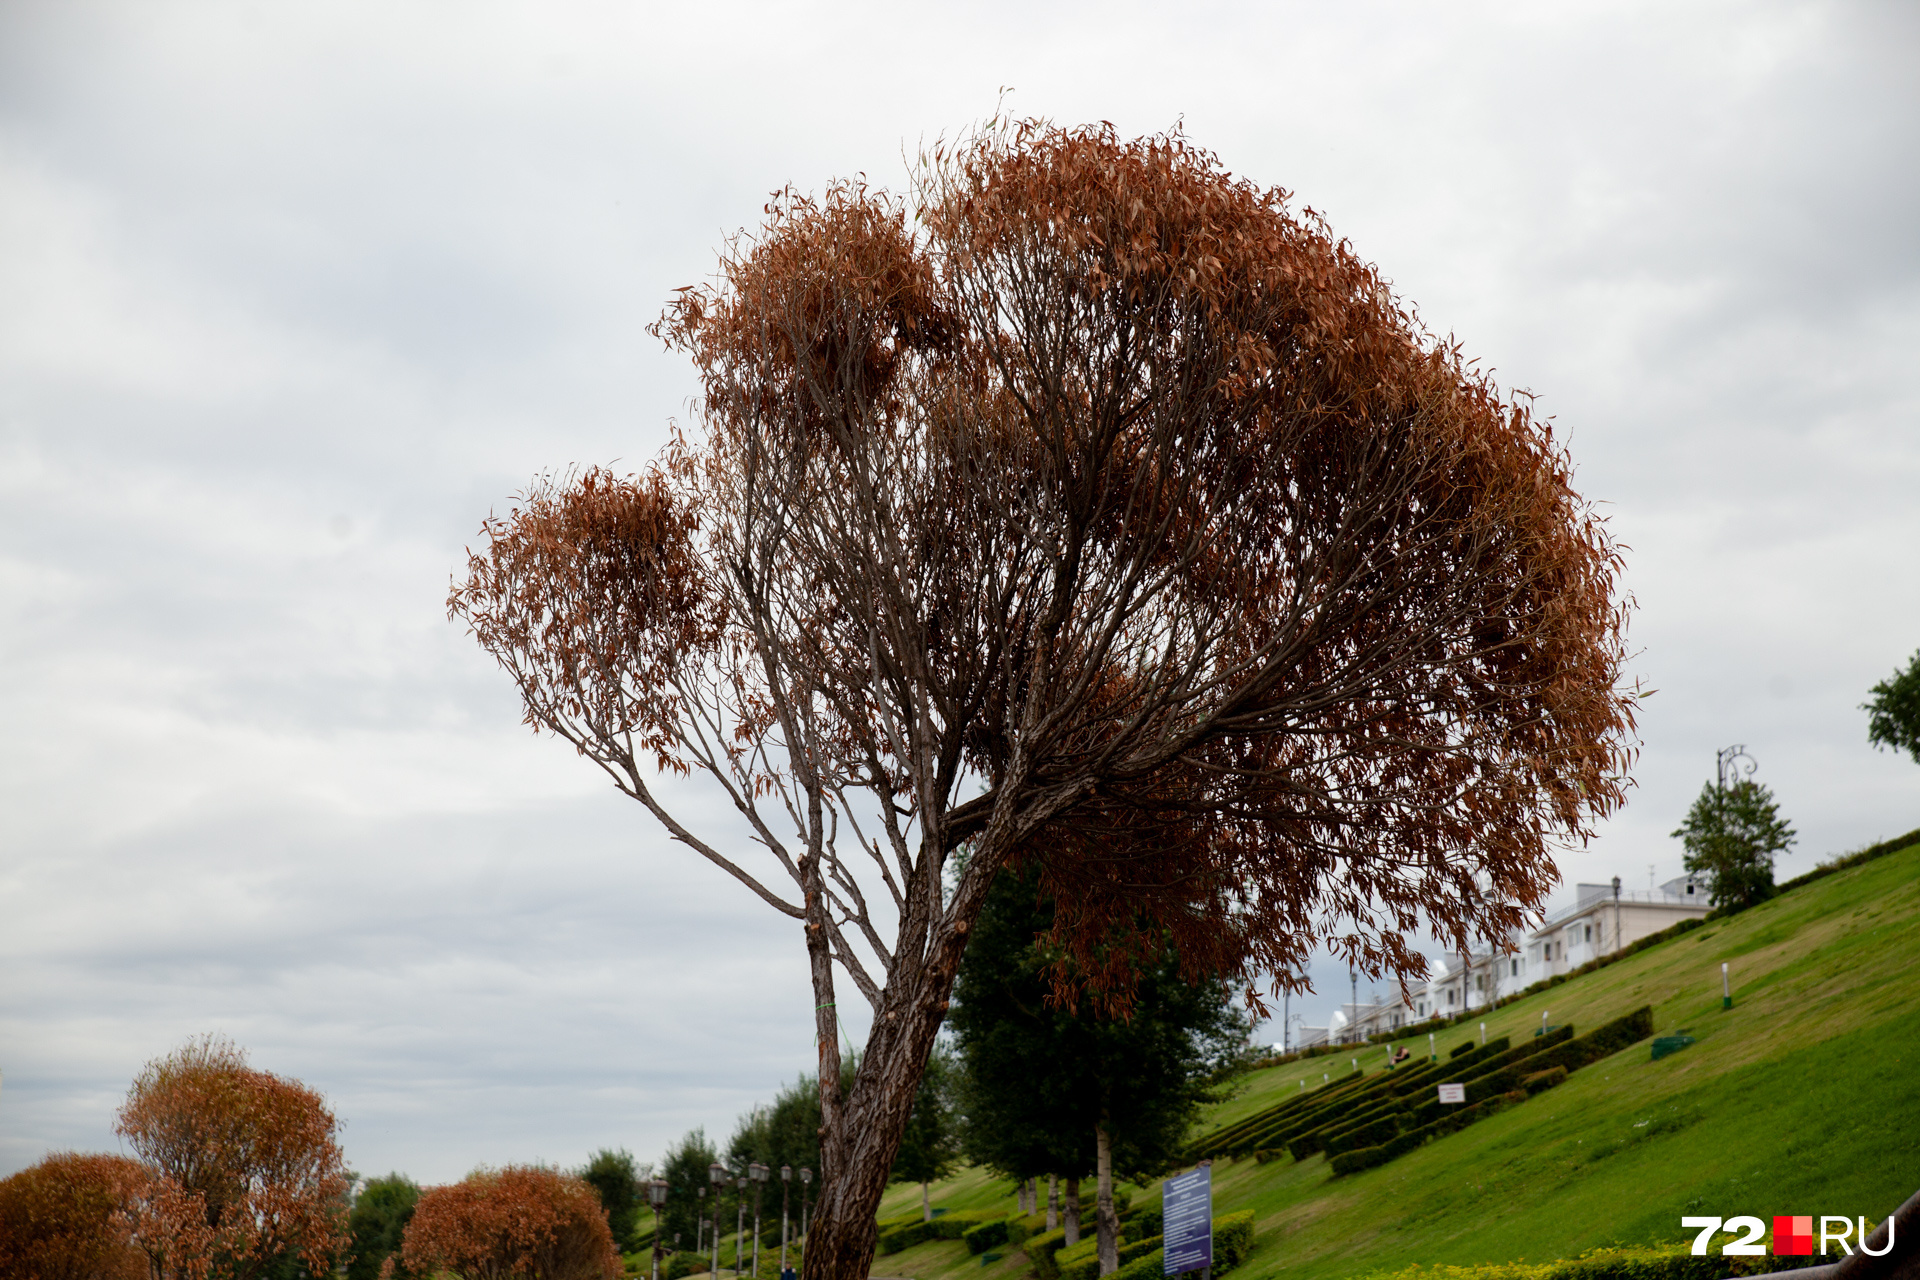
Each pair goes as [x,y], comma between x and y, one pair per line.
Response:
[1106,1221]
[1073,1209]
[860,1132]
[926,1204]
[1053,1201]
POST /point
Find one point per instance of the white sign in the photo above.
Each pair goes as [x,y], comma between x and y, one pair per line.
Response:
[1453,1093]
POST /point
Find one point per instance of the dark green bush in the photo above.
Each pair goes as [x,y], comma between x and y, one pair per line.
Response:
[1041,1249]
[1232,1240]
[1371,1134]
[898,1238]
[985,1236]
[1542,1080]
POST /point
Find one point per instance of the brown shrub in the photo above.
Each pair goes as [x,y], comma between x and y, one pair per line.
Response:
[66,1218]
[516,1223]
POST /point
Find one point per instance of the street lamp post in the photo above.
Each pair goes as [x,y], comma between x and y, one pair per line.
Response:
[657,1197]
[700,1220]
[758,1172]
[739,1221]
[717,1173]
[786,1194]
[806,1184]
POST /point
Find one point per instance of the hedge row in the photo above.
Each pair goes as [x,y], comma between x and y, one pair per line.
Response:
[1501,1087]
[1232,1242]
[1458,1117]
[1838,863]
[1847,860]
[684,1263]
[948,1226]
[1615,1264]
[1085,1263]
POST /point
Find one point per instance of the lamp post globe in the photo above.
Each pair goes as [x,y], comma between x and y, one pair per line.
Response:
[657,1197]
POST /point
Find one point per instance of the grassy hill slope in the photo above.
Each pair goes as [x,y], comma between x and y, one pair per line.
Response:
[1804,1098]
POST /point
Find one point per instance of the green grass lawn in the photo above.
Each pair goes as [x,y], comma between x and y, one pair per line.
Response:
[1803,1098]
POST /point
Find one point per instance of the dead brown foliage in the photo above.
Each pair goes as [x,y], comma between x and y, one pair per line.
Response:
[242,1165]
[516,1223]
[1092,508]
[67,1218]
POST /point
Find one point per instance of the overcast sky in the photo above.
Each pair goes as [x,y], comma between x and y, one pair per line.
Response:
[292,294]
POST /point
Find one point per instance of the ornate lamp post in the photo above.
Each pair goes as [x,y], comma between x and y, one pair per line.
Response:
[657,1197]
[758,1172]
[786,1196]
[717,1173]
[740,1222]
[806,1184]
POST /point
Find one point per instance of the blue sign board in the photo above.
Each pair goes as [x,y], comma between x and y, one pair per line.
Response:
[1187,1219]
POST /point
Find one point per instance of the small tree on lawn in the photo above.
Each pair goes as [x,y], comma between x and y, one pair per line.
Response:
[1893,721]
[930,1147]
[518,1221]
[1732,834]
[245,1174]
[1105,1094]
[1091,490]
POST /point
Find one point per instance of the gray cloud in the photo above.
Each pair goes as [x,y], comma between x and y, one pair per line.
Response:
[294,297]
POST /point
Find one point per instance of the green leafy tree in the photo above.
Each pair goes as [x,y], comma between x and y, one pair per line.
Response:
[931,1146]
[1732,834]
[684,1168]
[615,1178]
[1055,1089]
[1893,721]
[380,1216]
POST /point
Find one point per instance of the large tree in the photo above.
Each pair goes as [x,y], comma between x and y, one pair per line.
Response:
[684,1169]
[245,1178]
[1893,712]
[615,1178]
[1095,510]
[1055,1089]
[1732,834]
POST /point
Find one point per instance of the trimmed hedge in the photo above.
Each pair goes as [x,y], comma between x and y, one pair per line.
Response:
[1846,860]
[1540,1080]
[1232,1242]
[898,1238]
[1634,1263]
[1371,1134]
[684,1263]
[1085,1263]
[988,1235]
[1041,1251]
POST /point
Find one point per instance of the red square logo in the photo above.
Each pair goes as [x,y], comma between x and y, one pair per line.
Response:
[1792,1236]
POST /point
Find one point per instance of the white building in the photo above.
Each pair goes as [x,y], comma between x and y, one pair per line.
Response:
[1605,918]
[1602,919]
